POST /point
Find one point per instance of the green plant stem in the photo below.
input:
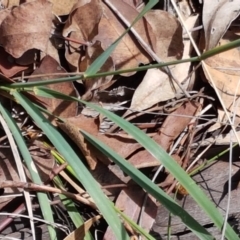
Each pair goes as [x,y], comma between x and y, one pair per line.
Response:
[204,56]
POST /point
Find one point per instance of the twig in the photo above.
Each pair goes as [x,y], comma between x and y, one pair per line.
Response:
[41,188]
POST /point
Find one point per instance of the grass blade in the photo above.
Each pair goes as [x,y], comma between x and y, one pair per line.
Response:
[150,187]
[79,168]
[42,197]
[150,145]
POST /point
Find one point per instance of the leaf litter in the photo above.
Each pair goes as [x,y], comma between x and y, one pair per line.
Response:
[43,40]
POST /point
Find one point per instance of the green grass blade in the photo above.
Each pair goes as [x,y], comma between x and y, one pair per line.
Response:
[79,168]
[126,218]
[150,187]
[149,144]
[170,164]
[166,160]
[42,197]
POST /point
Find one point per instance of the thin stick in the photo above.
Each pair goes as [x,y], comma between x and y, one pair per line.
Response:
[41,188]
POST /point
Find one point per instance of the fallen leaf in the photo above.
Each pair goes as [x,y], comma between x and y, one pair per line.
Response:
[217,16]
[28,26]
[84,19]
[8,171]
[223,68]
[168,33]
[123,147]
[58,107]
[129,53]
[171,128]
[130,200]
[154,88]
[88,151]
[63,7]
[7,65]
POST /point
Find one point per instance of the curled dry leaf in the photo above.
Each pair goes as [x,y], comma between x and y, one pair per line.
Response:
[82,26]
[28,26]
[217,16]
[56,106]
[87,150]
[223,68]
[84,18]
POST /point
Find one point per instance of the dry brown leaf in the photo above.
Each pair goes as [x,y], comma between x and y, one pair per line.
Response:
[8,171]
[223,68]
[154,88]
[7,65]
[123,147]
[168,33]
[28,26]
[217,16]
[10,3]
[63,7]
[84,19]
[58,107]
[88,151]
[173,125]
[128,52]
[130,201]
[82,26]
